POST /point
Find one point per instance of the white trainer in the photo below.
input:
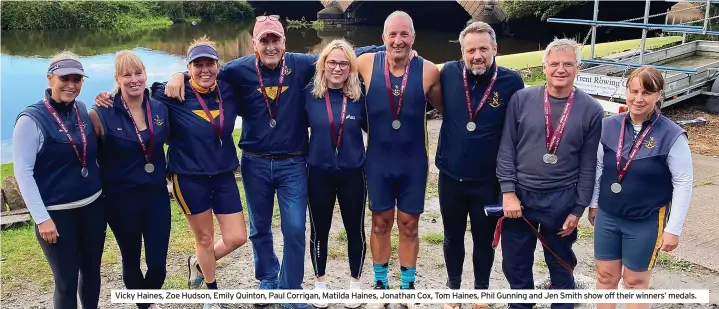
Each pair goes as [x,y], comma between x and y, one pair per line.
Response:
[354,286]
[320,286]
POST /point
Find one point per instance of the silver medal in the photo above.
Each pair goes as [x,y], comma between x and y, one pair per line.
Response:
[273,123]
[471,126]
[616,187]
[149,168]
[396,124]
[549,158]
[83,172]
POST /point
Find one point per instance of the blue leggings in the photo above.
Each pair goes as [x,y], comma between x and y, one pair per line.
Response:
[78,248]
[141,213]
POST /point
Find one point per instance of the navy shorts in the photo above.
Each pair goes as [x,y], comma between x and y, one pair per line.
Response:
[632,241]
[406,190]
[198,193]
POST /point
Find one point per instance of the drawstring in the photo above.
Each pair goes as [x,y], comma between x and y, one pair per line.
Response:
[498,233]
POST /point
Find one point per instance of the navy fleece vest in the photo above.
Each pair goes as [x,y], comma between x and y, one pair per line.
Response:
[647,186]
[122,159]
[351,153]
[57,169]
[385,144]
[465,155]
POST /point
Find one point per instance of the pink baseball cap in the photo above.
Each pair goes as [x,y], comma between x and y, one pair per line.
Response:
[268,25]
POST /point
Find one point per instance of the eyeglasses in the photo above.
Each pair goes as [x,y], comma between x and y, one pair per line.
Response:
[265,17]
[566,65]
[333,64]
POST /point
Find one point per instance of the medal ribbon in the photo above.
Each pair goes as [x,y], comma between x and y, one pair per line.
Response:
[218,131]
[552,136]
[395,111]
[83,158]
[264,91]
[338,138]
[469,99]
[147,151]
[622,171]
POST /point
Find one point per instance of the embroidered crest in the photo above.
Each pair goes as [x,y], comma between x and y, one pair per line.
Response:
[82,126]
[288,71]
[396,91]
[158,121]
[650,143]
[495,100]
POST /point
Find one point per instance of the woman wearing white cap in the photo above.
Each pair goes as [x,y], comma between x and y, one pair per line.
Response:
[54,153]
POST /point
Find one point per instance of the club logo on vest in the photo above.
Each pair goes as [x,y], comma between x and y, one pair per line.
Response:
[396,91]
[650,143]
[202,114]
[272,91]
[288,71]
[495,100]
[81,126]
[158,121]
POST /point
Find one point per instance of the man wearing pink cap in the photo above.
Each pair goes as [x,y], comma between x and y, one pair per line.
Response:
[274,143]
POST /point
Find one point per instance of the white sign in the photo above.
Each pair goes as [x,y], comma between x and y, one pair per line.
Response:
[602,85]
[414,296]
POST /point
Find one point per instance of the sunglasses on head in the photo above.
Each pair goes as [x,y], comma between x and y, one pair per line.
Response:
[266,17]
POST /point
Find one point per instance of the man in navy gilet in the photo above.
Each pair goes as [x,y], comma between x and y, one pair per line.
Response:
[475,93]
[398,86]
[546,167]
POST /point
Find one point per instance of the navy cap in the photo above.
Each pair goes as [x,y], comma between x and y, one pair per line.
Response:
[66,67]
[202,51]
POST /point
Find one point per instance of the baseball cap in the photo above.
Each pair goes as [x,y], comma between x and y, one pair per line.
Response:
[202,50]
[268,24]
[66,67]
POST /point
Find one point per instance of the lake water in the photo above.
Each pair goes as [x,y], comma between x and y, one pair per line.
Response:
[25,56]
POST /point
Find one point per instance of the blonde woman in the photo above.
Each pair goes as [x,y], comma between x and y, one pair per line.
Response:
[336,115]
[132,135]
[201,162]
[54,152]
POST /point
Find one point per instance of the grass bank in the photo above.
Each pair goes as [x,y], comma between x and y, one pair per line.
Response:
[43,15]
[534,59]
[24,262]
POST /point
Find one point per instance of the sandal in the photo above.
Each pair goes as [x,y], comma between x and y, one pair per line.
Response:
[451,306]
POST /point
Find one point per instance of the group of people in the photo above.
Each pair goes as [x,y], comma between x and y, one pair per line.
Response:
[502,164]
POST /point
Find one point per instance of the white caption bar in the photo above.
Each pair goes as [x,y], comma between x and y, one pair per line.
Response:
[413,296]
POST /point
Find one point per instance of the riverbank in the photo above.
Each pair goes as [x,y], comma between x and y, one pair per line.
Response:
[44,15]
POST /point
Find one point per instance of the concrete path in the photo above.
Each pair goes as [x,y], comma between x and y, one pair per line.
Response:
[699,242]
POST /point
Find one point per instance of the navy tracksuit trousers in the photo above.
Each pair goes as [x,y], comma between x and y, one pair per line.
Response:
[546,211]
[134,215]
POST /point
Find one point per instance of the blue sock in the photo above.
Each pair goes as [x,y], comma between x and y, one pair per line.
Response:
[380,273]
[212,285]
[407,277]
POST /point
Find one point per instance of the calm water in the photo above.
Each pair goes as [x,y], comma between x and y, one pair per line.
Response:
[25,56]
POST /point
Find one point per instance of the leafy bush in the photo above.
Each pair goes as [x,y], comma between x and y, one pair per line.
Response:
[55,14]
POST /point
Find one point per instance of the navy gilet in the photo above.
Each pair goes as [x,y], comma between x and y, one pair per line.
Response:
[122,160]
[465,155]
[57,168]
[408,145]
[351,154]
[647,185]
[194,146]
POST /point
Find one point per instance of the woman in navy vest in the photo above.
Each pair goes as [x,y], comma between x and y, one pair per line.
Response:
[336,114]
[54,153]
[201,161]
[632,199]
[132,161]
